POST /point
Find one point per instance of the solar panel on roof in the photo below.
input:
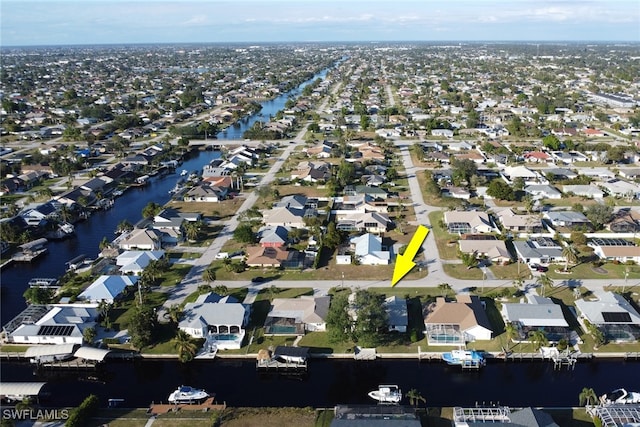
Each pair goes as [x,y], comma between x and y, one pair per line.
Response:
[616,317]
[545,241]
[56,330]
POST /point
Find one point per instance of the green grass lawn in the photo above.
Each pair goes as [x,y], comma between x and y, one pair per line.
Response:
[588,271]
[173,275]
[447,243]
[460,271]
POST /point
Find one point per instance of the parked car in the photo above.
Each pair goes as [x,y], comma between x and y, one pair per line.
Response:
[257,279]
[538,267]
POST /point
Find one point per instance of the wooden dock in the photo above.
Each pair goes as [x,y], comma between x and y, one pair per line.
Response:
[207,405]
[279,365]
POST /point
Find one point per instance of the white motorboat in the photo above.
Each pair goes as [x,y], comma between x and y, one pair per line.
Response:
[620,396]
[186,394]
[183,172]
[464,358]
[387,394]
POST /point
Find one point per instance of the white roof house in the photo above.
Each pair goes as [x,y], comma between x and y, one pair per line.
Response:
[134,262]
[530,177]
[107,288]
[584,190]
[222,321]
[52,324]
[538,311]
[368,250]
[610,308]
[140,239]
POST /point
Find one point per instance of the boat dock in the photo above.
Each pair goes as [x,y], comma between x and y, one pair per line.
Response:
[283,359]
[365,353]
[44,283]
[31,250]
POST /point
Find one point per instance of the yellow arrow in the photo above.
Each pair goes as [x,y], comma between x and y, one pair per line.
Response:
[404,263]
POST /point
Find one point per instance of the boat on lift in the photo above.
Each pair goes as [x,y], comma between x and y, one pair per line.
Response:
[464,358]
[620,396]
[387,394]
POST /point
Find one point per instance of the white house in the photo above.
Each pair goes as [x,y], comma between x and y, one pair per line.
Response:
[134,262]
[368,250]
[51,324]
[297,315]
[107,288]
[220,320]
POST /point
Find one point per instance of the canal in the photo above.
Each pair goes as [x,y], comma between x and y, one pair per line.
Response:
[331,382]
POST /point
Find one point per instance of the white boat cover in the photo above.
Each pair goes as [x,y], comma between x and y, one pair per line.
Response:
[91,353]
[20,388]
[49,350]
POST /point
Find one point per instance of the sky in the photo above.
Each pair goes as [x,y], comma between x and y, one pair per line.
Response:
[53,22]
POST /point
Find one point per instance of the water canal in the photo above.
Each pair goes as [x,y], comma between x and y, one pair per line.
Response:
[331,382]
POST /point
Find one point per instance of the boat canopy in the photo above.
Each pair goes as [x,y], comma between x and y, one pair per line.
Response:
[92,353]
[50,350]
[21,388]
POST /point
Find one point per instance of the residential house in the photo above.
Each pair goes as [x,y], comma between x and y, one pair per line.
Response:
[543,192]
[456,322]
[538,157]
[589,191]
[530,177]
[519,223]
[540,250]
[538,313]
[568,219]
[462,222]
[77,196]
[368,250]
[220,320]
[285,217]
[295,201]
[616,317]
[560,173]
[273,236]
[144,239]
[372,192]
[619,188]
[492,249]
[169,223]
[619,250]
[625,221]
[266,256]
[51,324]
[397,313]
[295,316]
[107,288]
[205,193]
[134,262]
[370,222]
[456,192]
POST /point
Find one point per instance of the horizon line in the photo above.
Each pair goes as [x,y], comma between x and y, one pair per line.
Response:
[459,41]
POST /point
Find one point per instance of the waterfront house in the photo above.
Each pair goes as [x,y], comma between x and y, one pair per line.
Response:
[397,313]
[205,193]
[538,313]
[51,324]
[220,320]
[107,288]
[295,316]
[143,239]
[612,314]
[456,322]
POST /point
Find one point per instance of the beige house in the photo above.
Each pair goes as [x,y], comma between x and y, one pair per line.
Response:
[462,222]
[494,250]
[285,217]
[258,256]
[144,239]
[519,223]
[456,322]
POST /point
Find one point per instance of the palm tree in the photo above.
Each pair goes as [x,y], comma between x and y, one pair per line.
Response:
[415,396]
[538,338]
[175,313]
[186,348]
[444,288]
[587,395]
[511,332]
[570,255]
[544,281]
[192,230]
[209,275]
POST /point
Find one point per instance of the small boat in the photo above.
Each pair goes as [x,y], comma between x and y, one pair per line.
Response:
[386,394]
[620,396]
[183,172]
[186,394]
[464,358]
